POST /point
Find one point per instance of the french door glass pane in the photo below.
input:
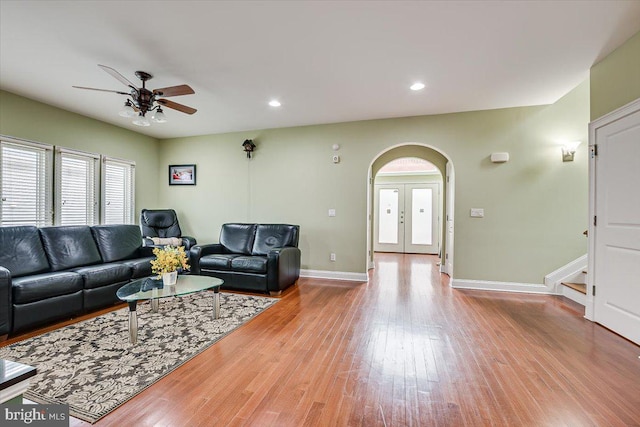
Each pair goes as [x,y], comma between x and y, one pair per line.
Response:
[421,210]
[388,223]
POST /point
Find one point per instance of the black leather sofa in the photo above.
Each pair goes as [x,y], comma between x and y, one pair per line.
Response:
[53,273]
[253,257]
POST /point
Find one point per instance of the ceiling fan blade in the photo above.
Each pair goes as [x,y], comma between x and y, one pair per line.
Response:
[102,90]
[174,91]
[176,106]
[118,76]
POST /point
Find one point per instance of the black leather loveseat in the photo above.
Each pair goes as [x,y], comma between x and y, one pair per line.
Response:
[52,273]
[254,257]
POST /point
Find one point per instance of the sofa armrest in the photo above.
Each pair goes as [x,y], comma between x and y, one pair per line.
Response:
[6,306]
[146,251]
[188,242]
[198,251]
[146,241]
[283,268]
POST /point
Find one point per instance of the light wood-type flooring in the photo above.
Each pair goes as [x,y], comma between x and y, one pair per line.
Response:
[404,349]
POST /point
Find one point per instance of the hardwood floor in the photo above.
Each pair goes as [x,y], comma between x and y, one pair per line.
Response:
[402,350]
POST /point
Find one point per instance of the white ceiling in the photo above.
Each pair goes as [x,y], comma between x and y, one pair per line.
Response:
[326,61]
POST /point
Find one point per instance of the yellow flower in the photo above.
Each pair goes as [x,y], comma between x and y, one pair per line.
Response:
[168,259]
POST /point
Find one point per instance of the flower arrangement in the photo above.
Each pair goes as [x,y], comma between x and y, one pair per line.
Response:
[168,259]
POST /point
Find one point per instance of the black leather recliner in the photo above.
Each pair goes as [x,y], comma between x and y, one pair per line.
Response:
[162,224]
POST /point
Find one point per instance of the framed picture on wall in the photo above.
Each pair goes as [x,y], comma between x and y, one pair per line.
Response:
[182,174]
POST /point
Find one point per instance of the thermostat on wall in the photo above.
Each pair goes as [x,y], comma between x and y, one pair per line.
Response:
[499,157]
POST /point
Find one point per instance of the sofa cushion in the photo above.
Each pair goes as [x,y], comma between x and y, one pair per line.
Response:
[42,286]
[95,276]
[217,261]
[249,264]
[271,236]
[69,246]
[140,267]
[27,253]
[238,238]
[117,242]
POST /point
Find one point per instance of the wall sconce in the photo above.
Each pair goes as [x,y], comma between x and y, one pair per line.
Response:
[248,146]
[568,150]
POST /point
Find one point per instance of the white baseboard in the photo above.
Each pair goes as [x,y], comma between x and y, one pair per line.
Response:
[335,275]
[485,285]
[553,279]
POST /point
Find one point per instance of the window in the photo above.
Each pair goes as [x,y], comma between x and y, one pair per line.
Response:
[85,194]
[25,183]
[118,190]
[76,187]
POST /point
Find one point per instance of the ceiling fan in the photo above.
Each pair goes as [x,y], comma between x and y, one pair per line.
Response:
[142,100]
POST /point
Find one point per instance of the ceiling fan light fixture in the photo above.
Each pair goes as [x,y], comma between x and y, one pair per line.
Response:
[141,121]
[158,116]
[127,110]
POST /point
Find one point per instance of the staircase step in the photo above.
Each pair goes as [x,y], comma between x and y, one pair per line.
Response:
[580,287]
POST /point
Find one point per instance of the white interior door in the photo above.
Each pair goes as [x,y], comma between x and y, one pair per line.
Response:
[407,218]
[617,230]
[447,262]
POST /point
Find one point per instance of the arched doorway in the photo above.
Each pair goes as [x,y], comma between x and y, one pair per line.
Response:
[408,207]
[445,167]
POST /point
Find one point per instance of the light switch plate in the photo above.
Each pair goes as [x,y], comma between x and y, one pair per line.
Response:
[477,213]
[332,212]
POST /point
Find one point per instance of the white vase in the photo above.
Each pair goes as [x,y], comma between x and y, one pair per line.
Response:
[169,279]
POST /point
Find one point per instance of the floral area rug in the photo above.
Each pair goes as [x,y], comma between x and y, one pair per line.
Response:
[92,367]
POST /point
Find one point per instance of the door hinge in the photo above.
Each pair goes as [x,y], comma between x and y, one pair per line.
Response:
[594,290]
[370,180]
[595,220]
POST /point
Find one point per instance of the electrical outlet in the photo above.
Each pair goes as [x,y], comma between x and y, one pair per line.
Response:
[332,257]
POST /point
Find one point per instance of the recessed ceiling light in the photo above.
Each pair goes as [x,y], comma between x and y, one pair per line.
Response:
[417,86]
[274,103]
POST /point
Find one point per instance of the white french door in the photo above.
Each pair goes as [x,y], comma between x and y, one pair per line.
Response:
[617,229]
[407,218]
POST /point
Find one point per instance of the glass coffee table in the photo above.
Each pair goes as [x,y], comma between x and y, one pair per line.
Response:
[153,289]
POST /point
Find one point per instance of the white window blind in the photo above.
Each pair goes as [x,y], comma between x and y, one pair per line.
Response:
[118,191]
[76,188]
[25,183]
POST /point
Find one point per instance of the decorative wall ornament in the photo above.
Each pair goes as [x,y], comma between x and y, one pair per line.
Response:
[249,146]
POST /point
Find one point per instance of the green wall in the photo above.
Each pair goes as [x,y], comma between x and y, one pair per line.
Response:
[27,119]
[615,81]
[535,205]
